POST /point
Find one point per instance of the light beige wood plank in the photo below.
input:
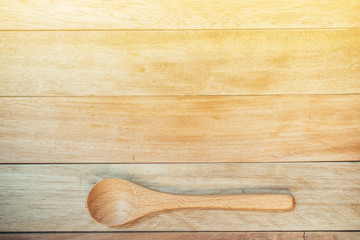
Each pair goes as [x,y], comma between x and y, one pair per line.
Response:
[243,62]
[53,197]
[177,14]
[159,236]
[180,129]
[332,236]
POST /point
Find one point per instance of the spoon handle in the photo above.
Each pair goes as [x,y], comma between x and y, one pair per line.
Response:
[269,202]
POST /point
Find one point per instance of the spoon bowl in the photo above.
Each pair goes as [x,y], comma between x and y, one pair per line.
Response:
[112,202]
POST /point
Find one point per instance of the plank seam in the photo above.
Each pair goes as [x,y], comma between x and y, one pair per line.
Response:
[272,231]
[173,30]
[181,163]
[168,96]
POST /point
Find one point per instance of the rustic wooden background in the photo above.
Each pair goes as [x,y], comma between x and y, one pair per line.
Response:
[181,96]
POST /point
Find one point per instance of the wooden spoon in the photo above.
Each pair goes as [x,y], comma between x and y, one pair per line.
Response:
[116,201]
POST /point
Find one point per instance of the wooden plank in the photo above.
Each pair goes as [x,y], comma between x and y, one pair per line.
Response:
[244,62]
[180,129]
[187,235]
[332,236]
[177,14]
[37,197]
[158,236]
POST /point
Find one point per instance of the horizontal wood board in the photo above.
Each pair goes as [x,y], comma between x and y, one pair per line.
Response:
[187,235]
[332,235]
[177,14]
[234,62]
[180,129]
[53,197]
[158,236]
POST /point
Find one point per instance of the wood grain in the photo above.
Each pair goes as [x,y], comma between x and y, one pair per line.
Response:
[244,62]
[180,129]
[158,236]
[177,14]
[332,236]
[52,197]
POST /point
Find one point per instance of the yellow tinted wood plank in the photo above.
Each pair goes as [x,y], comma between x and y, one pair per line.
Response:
[180,129]
[332,235]
[157,236]
[37,197]
[240,62]
[177,14]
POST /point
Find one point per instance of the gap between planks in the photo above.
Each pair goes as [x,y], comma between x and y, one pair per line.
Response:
[169,96]
[173,30]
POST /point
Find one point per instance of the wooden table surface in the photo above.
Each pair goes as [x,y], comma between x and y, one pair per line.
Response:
[190,97]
